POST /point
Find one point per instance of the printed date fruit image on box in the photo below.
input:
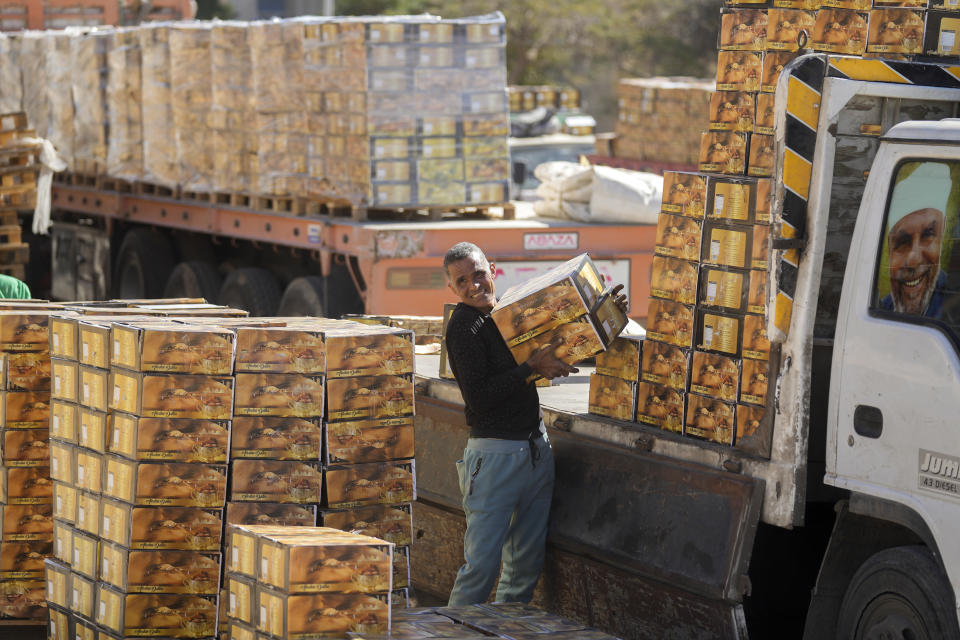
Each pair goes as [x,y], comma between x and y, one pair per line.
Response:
[561,295]
[673,279]
[660,406]
[612,397]
[739,71]
[684,193]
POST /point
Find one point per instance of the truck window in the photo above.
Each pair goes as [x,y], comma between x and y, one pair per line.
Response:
[918,273]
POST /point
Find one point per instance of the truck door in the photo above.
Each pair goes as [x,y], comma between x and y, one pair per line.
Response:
[895,393]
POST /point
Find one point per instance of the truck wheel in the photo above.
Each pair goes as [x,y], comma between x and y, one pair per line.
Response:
[252,289]
[303,297]
[144,263]
[194,279]
[899,593]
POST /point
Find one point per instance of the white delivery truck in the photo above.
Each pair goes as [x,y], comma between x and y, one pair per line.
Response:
[839,520]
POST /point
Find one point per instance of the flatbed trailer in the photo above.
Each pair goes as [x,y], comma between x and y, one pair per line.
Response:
[382,267]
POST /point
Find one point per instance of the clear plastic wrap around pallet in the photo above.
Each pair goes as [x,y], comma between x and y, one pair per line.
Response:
[159,141]
[88,55]
[413,110]
[33,65]
[58,90]
[232,106]
[192,98]
[124,118]
[368,112]
[279,166]
[11,98]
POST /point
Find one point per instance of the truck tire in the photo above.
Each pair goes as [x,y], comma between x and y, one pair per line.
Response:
[144,263]
[194,279]
[252,289]
[899,593]
[303,297]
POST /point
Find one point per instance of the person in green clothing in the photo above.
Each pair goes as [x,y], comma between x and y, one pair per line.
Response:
[11,287]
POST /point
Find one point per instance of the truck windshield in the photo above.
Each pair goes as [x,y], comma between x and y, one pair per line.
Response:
[918,273]
[535,156]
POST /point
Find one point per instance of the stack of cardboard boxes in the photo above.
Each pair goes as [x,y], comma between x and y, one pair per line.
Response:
[306,582]
[369,448]
[706,326]
[231,106]
[277,439]
[123,97]
[164,479]
[87,85]
[567,307]
[26,492]
[756,43]
[365,112]
[659,119]
[278,157]
[613,386]
[412,110]
[526,98]
[156,124]
[147,412]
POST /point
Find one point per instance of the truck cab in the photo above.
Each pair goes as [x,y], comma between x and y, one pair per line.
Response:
[892,429]
[527,153]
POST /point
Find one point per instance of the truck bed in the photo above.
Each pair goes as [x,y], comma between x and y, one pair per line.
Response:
[627,525]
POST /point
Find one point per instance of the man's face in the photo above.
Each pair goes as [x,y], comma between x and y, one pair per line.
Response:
[471,280]
[915,259]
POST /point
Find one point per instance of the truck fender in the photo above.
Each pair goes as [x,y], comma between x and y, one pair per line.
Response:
[864,526]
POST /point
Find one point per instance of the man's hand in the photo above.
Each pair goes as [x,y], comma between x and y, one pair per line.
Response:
[544,362]
[620,299]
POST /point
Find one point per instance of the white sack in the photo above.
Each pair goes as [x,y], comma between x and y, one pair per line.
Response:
[625,196]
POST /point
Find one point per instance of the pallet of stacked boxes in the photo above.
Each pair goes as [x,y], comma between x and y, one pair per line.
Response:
[123,98]
[308,582]
[232,106]
[369,442]
[164,486]
[417,106]
[26,490]
[659,118]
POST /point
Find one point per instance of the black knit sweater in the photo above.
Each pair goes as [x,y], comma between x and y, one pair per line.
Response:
[499,403]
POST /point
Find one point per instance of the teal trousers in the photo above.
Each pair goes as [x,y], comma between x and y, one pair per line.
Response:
[507,489]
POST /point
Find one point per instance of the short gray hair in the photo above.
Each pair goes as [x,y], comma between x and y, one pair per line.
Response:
[460,251]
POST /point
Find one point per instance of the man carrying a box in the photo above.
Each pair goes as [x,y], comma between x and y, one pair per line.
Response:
[506,474]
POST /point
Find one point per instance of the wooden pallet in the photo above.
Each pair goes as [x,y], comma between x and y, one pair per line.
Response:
[14,253]
[16,121]
[488,211]
[19,200]
[9,217]
[18,180]
[10,234]
[116,184]
[155,190]
[276,204]
[18,271]
[83,179]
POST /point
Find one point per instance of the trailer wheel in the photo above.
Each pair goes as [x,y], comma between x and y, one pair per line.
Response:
[303,297]
[144,263]
[194,279]
[899,593]
[252,289]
